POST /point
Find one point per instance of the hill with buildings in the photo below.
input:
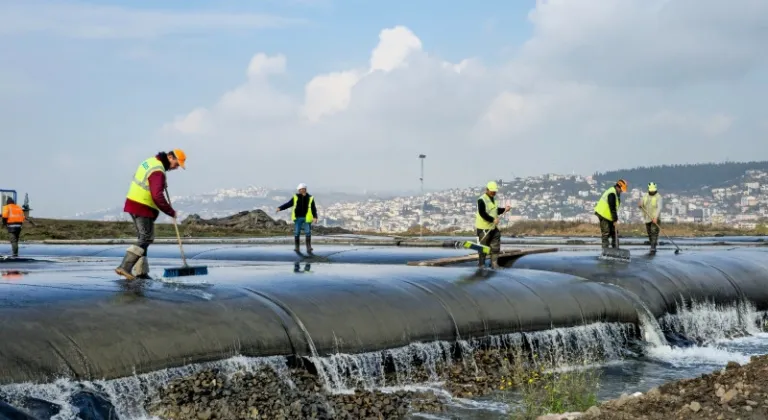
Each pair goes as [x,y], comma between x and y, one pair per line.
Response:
[730,193]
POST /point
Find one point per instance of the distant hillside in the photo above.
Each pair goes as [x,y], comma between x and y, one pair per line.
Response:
[684,178]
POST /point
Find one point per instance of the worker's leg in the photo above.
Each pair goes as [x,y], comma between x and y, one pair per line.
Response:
[145,235]
[14,234]
[146,228]
[612,234]
[650,235]
[308,226]
[298,224]
[653,236]
[482,241]
[495,244]
[605,231]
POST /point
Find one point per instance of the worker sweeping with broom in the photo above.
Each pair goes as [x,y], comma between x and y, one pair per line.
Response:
[144,202]
[651,205]
[487,224]
[607,212]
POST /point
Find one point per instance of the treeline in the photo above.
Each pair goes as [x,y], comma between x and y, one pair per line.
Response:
[683,177]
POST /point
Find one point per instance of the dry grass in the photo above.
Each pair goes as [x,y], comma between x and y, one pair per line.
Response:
[555,228]
[86,229]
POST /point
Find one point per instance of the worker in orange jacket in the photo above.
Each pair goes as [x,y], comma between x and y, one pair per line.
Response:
[13,218]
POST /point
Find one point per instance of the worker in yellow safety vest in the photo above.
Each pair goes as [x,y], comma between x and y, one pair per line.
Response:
[303,214]
[13,219]
[487,224]
[144,202]
[651,205]
[607,212]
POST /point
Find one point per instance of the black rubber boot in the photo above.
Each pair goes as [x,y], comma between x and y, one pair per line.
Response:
[125,268]
[296,243]
[15,249]
[480,259]
[494,261]
[309,244]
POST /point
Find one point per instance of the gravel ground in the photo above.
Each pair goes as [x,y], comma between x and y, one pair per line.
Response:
[737,392]
[299,394]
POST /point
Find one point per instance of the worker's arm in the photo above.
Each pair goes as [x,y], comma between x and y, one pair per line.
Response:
[314,210]
[481,210]
[5,215]
[287,205]
[157,187]
[501,210]
[612,206]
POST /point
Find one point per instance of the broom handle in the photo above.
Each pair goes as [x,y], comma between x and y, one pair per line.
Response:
[178,236]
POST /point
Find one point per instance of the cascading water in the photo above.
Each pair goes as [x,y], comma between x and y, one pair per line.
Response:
[417,366]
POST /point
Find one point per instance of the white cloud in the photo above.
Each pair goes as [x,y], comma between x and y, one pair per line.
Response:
[599,84]
[89,21]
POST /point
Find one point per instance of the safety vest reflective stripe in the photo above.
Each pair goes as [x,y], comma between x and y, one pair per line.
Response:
[139,190]
[603,209]
[14,214]
[309,217]
[491,209]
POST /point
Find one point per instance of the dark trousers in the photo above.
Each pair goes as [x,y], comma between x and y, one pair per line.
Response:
[493,240]
[653,234]
[14,233]
[145,231]
[607,232]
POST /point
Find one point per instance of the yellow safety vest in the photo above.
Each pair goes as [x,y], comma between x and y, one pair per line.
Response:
[309,217]
[602,207]
[649,204]
[491,208]
[139,190]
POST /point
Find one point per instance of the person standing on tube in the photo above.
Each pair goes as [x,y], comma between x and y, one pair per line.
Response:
[303,214]
[651,205]
[144,202]
[487,224]
[607,212]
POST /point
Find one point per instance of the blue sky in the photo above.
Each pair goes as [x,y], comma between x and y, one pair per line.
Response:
[91,88]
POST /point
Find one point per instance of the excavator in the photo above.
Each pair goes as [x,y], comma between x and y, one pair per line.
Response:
[6,194]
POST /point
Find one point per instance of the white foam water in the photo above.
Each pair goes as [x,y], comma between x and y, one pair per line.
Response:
[128,395]
[587,346]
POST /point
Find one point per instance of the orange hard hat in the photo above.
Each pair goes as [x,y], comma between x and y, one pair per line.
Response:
[181,156]
[622,184]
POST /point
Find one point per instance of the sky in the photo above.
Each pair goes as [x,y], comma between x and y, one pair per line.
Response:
[344,95]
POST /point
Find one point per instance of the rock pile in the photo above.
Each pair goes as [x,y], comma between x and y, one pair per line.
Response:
[736,392]
[299,394]
[252,220]
[266,395]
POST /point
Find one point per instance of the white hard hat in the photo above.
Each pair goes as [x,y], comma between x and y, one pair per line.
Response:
[302,185]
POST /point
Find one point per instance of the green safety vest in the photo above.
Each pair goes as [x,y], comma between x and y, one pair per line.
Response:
[139,190]
[309,217]
[491,208]
[602,207]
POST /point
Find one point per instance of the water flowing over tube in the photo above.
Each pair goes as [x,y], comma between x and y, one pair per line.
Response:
[93,326]
[78,320]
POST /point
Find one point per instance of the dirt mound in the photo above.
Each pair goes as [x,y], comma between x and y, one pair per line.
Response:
[253,220]
[737,392]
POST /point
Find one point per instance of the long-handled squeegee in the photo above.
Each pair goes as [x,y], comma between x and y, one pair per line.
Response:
[616,253]
[185,269]
[478,246]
